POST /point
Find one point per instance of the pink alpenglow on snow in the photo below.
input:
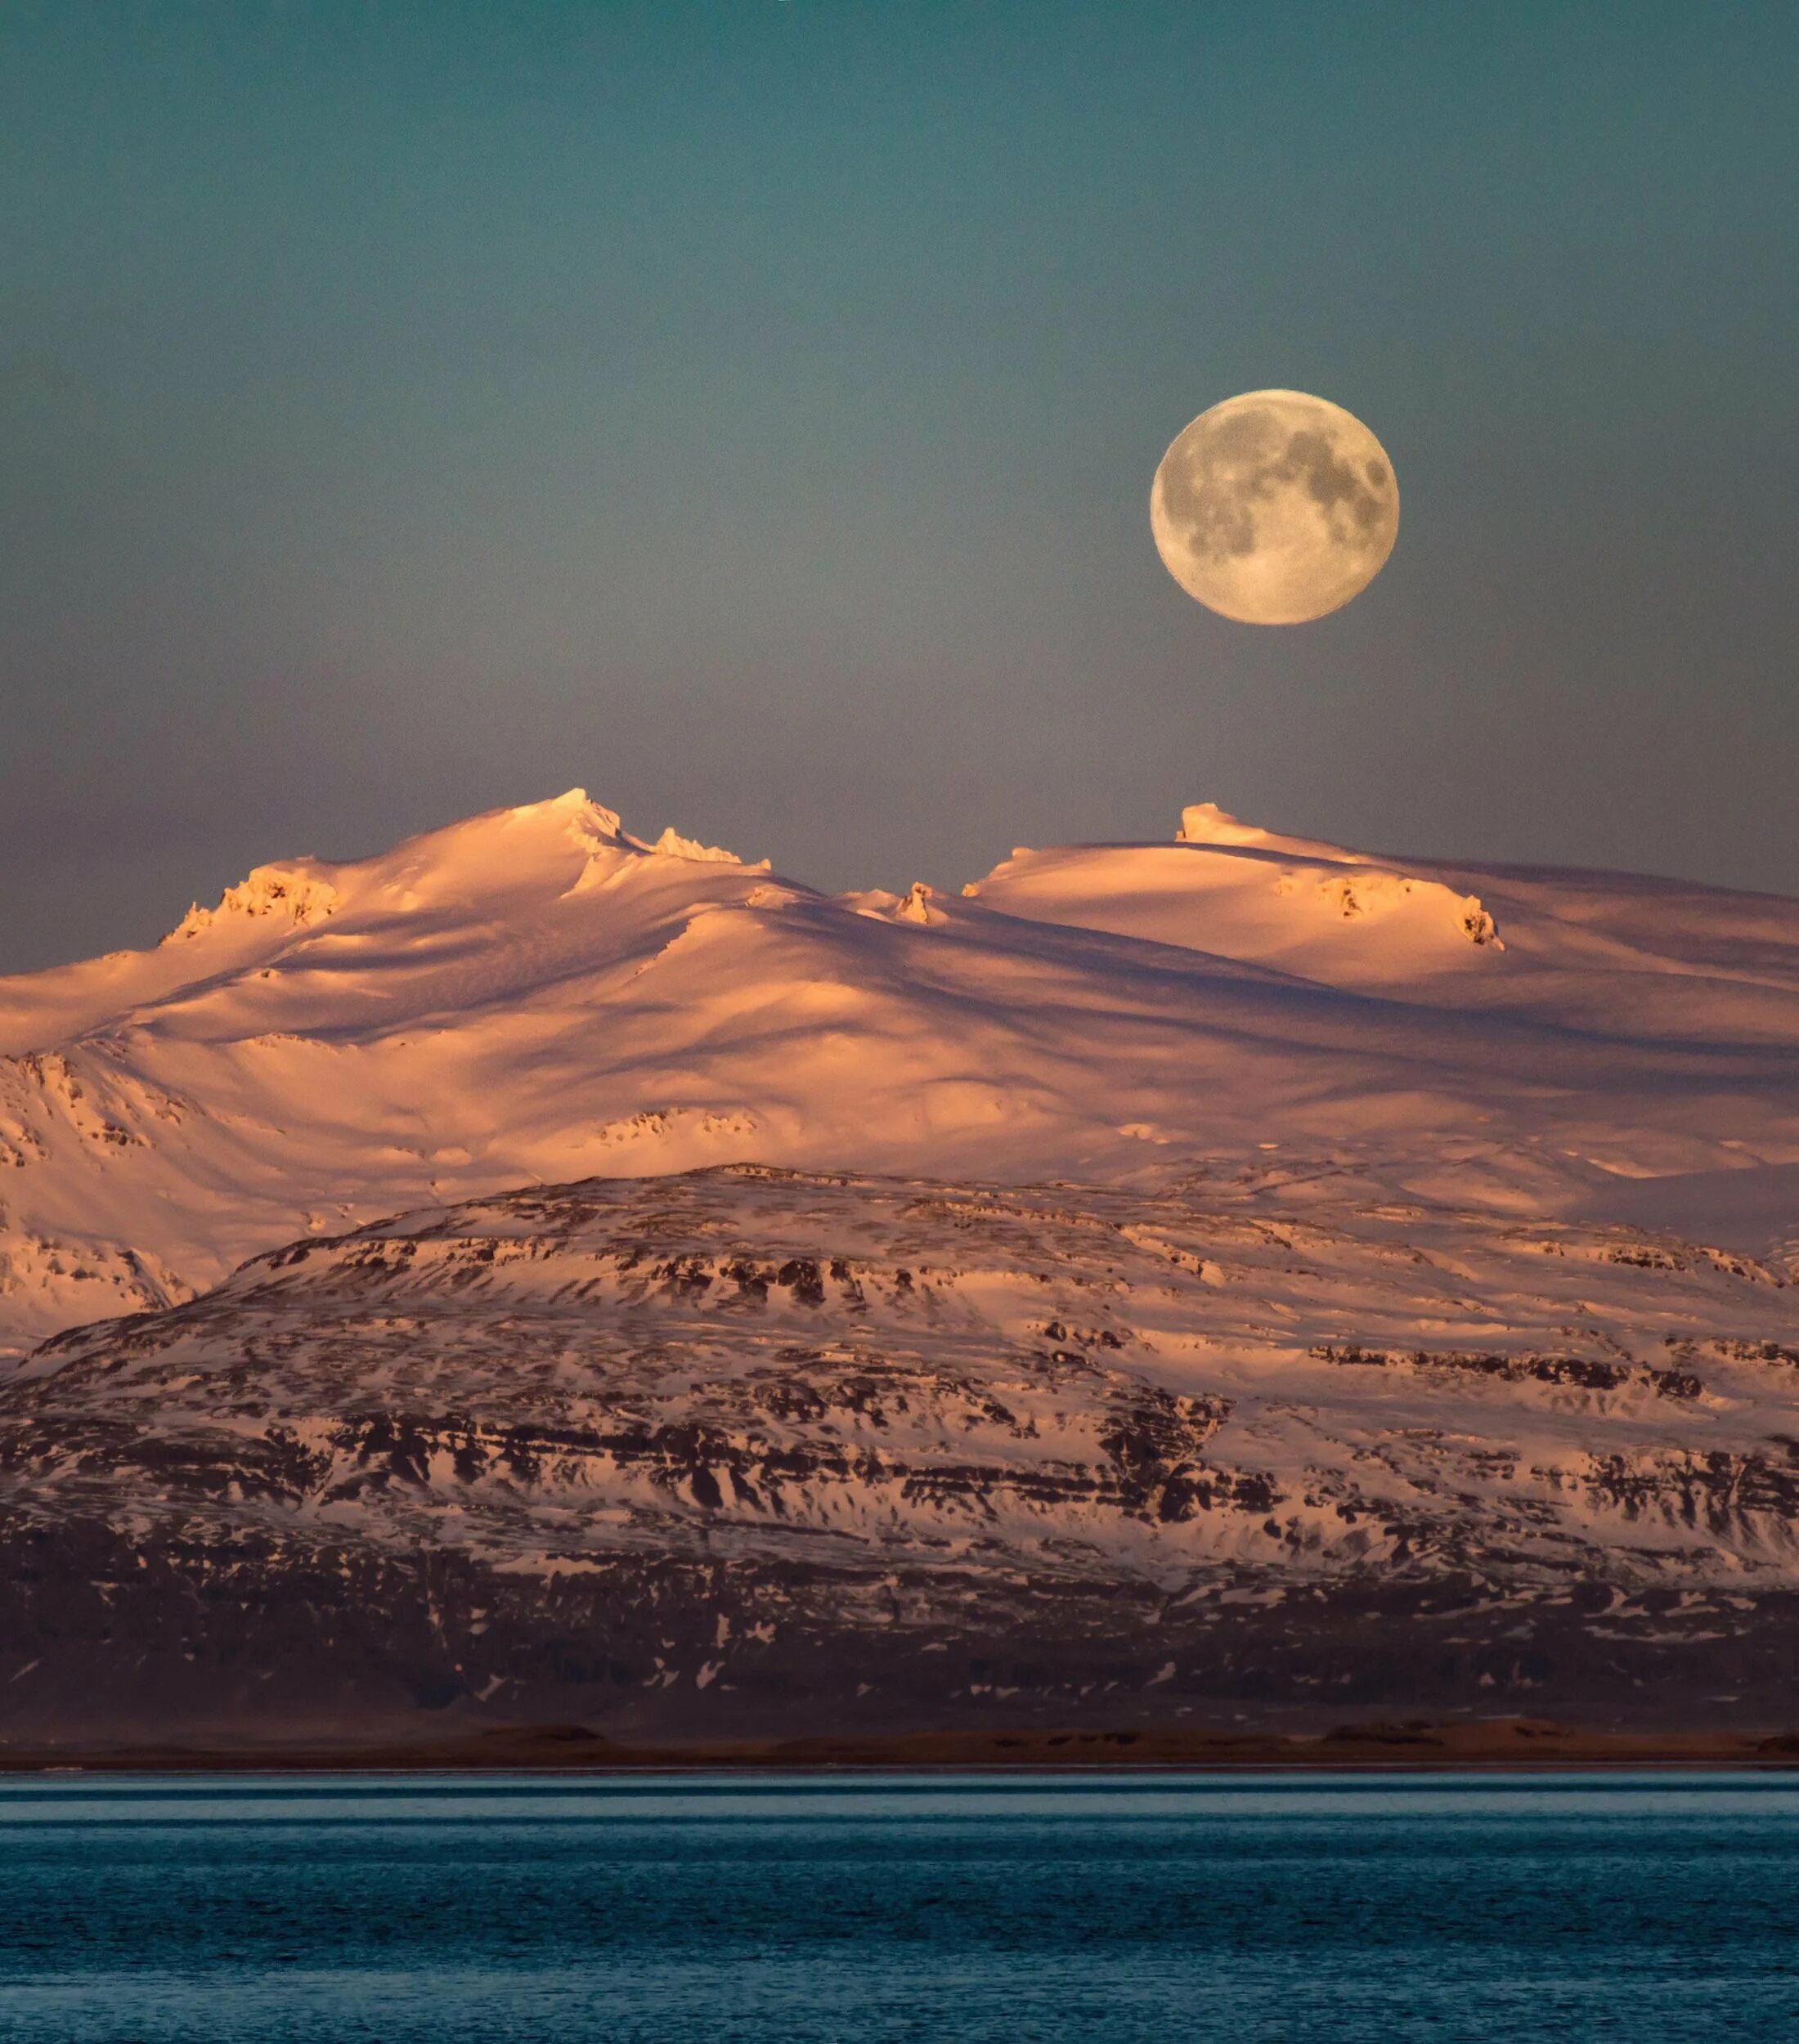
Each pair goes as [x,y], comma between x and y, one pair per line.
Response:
[537,995]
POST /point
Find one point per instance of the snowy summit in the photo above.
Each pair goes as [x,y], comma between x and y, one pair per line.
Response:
[535,995]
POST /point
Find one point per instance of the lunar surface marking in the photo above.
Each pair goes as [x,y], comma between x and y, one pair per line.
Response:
[1275,508]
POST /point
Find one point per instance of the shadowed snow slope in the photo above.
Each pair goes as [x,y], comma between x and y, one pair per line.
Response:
[537,995]
[745,1449]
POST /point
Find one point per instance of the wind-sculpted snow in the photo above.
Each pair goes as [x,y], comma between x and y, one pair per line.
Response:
[538,995]
[746,1446]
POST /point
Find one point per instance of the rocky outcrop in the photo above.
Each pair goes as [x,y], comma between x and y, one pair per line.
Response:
[744,1451]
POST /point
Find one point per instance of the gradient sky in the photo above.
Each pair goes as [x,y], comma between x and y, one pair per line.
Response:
[748,412]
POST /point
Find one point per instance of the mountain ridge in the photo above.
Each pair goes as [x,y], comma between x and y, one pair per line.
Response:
[535,993]
[747,1451]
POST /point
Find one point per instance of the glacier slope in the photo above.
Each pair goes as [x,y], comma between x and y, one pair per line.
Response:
[537,995]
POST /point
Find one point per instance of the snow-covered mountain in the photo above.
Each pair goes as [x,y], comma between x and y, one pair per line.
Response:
[537,996]
[1231,1275]
[743,1449]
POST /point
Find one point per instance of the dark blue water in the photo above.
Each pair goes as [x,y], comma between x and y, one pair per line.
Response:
[1461,1910]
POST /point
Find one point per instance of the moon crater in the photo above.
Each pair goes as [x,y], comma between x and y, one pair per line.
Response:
[1275,508]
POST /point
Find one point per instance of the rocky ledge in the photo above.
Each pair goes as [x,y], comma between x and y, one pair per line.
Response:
[748,1454]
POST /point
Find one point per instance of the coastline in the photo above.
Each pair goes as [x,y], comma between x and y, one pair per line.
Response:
[1505,1745]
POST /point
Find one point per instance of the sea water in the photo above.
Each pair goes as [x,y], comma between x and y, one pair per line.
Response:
[1463,1909]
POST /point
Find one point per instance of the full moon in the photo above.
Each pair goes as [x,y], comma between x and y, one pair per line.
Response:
[1275,508]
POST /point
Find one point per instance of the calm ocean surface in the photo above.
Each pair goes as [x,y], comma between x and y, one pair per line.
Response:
[1342,1908]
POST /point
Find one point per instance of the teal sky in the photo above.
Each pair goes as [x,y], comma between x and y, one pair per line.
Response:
[748,412]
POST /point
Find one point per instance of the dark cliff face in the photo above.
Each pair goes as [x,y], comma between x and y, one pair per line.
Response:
[745,1451]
